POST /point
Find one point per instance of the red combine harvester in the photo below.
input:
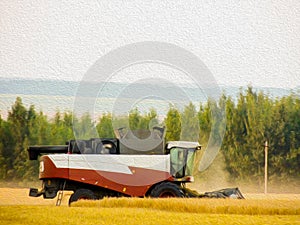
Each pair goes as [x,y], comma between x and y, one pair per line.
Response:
[122,166]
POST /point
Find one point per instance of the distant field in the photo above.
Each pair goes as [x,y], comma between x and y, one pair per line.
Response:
[17,208]
[19,196]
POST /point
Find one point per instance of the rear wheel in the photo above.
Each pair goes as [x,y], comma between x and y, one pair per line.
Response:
[167,190]
[82,194]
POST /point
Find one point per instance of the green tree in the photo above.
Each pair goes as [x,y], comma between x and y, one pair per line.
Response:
[134,119]
[204,118]
[62,127]
[17,118]
[147,121]
[7,150]
[42,130]
[84,129]
[284,146]
[254,119]
[190,124]
[173,125]
[3,163]
[104,127]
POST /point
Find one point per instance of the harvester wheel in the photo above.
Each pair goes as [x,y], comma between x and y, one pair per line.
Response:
[167,190]
[82,194]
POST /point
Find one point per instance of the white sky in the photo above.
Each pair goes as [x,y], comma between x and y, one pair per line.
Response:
[241,42]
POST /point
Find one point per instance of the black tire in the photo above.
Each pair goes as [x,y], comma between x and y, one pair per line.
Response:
[167,190]
[82,194]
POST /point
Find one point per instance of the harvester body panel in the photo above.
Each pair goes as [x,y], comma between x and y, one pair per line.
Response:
[131,175]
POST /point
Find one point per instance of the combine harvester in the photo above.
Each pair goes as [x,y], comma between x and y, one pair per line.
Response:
[107,167]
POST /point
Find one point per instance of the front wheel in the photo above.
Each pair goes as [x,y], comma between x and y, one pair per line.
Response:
[167,190]
[82,194]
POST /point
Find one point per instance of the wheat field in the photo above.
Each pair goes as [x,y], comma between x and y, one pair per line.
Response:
[17,208]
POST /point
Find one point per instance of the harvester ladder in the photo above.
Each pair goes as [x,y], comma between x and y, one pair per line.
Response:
[60,195]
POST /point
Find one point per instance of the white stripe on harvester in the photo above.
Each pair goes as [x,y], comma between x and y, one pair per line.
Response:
[111,163]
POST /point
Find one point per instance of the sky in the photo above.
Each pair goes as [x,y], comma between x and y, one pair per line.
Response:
[241,42]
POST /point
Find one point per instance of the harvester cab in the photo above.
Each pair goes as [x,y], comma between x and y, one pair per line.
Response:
[182,157]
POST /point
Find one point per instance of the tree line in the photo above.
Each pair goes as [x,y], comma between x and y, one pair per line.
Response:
[240,126]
